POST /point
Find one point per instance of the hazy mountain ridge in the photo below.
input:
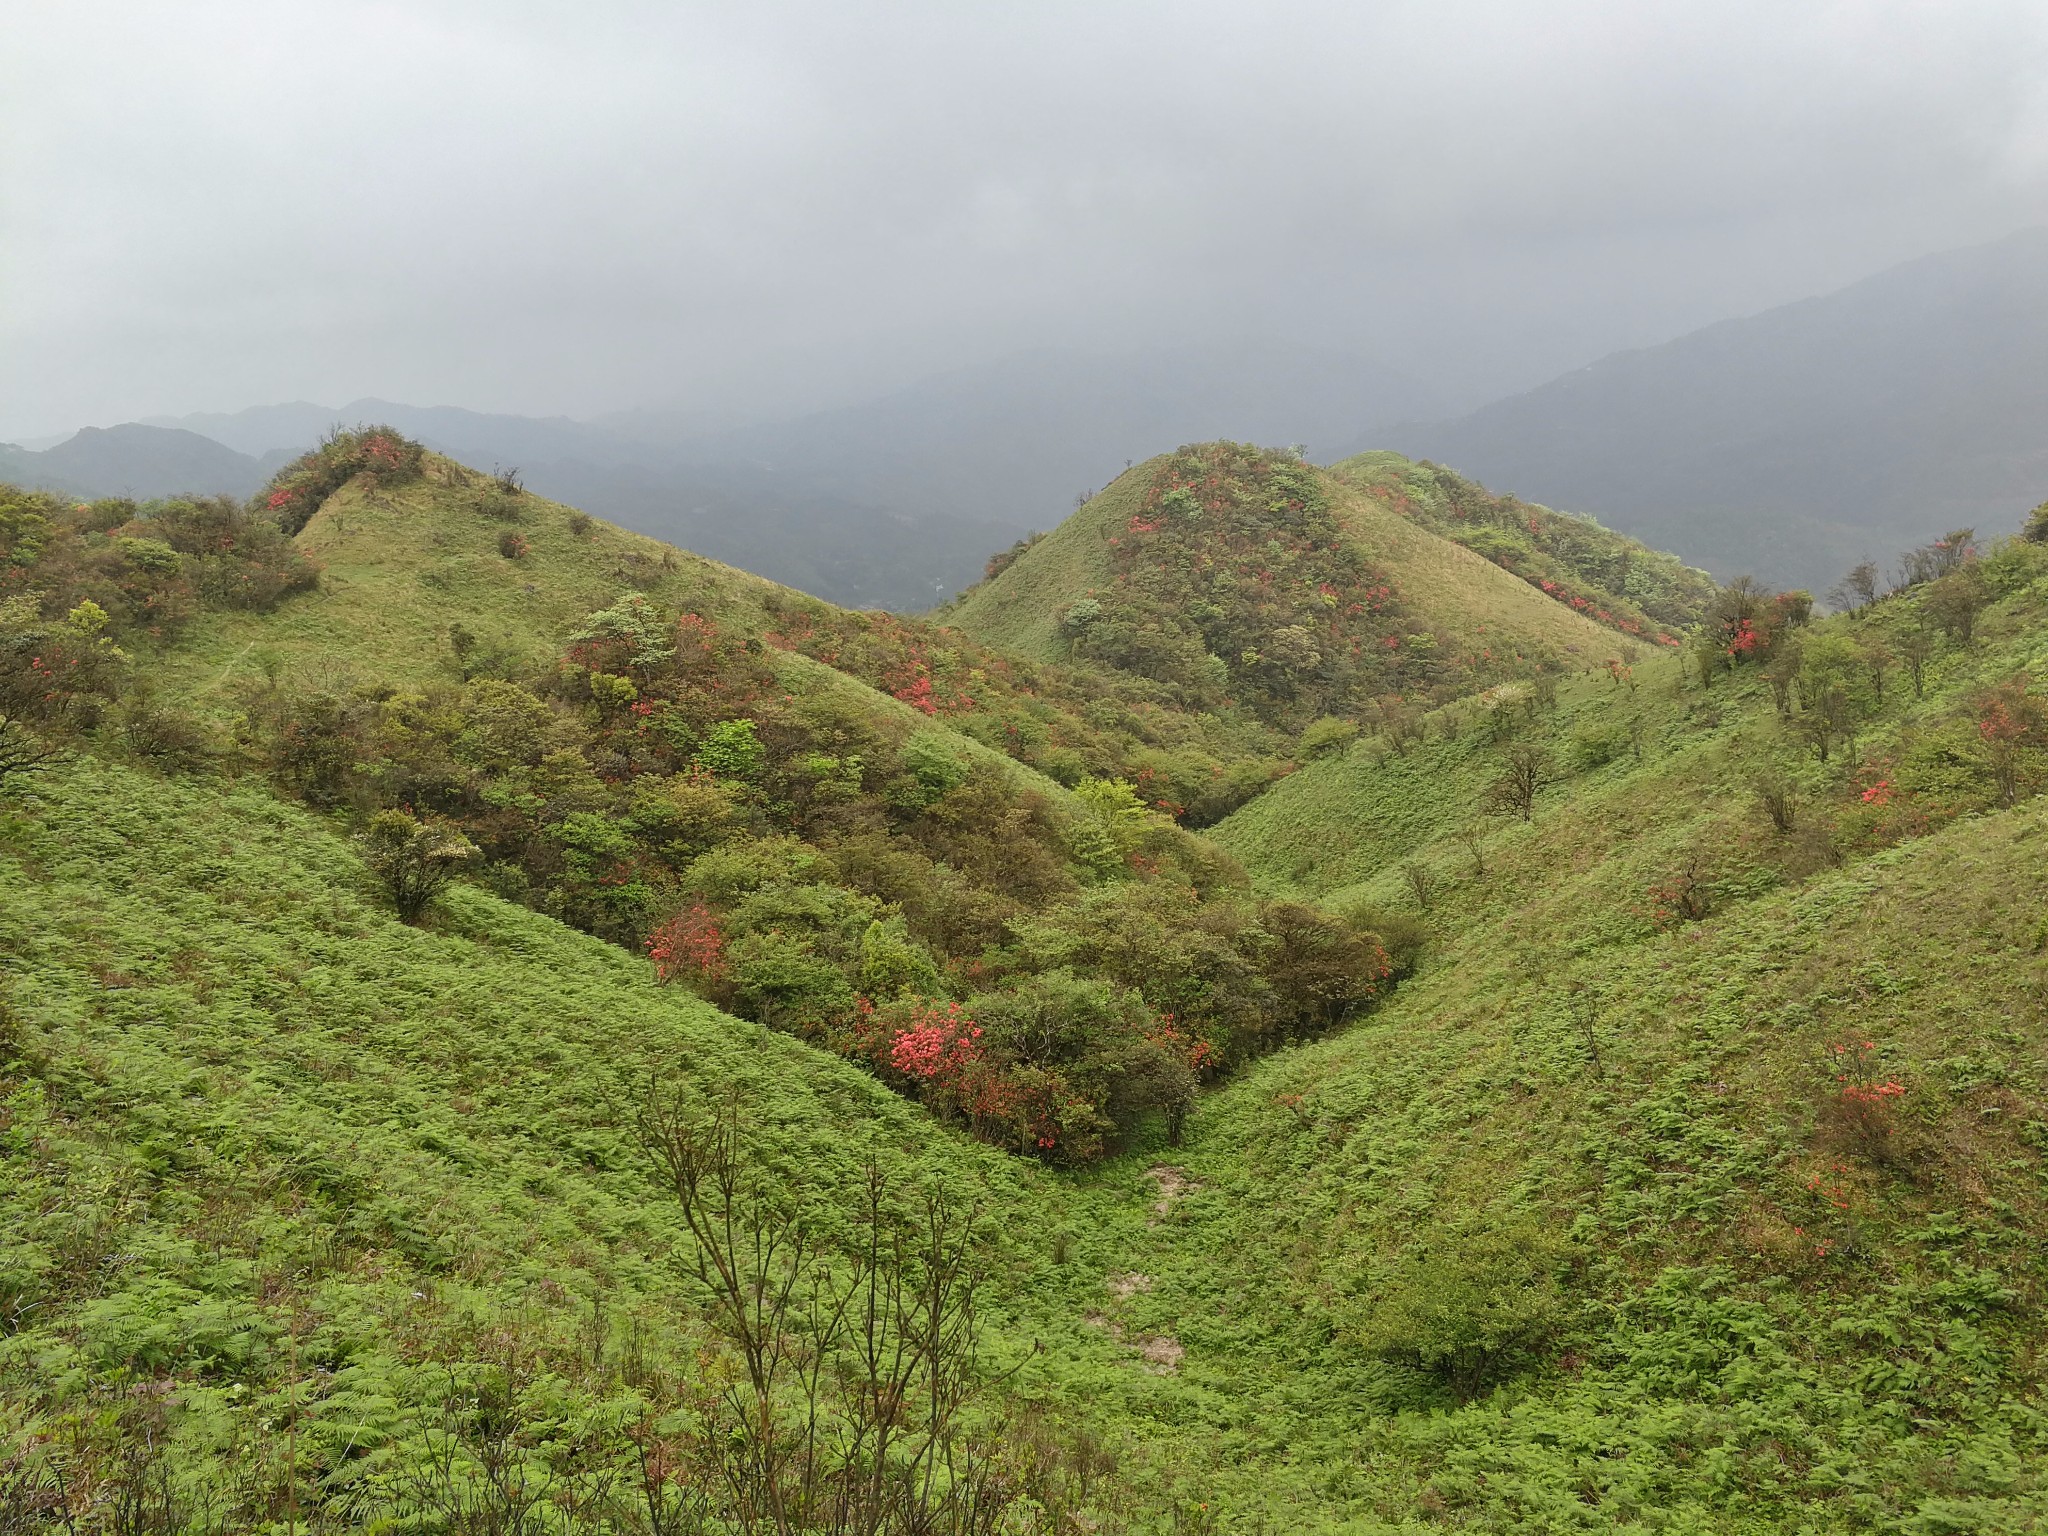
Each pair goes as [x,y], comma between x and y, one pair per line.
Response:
[894,502]
[139,460]
[1800,440]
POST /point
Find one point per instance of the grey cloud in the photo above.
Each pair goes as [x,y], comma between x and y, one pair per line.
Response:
[766,207]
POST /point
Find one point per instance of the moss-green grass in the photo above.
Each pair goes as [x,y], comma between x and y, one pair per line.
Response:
[1460,592]
[401,565]
[1777,1328]
[1019,610]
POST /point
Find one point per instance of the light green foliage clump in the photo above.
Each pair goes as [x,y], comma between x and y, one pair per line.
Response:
[1468,1307]
[414,859]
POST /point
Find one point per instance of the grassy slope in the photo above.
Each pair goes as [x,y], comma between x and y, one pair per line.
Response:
[1777,1331]
[1459,591]
[1449,586]
[239,1101]
[400,567]
[1535,542]
[1019,610]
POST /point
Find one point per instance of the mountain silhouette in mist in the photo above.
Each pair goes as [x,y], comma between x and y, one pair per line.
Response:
[137,460]
[1795,442]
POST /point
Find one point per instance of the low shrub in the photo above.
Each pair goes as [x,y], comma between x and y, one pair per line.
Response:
[1471,1310]
[380,454]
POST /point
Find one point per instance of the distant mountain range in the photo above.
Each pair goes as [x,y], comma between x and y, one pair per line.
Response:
[1795,442]
[137,460]
[893,503]
[1790,444]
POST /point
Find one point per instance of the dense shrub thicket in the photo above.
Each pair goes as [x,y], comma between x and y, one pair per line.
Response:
[1071,723]
[296,491]
[82,582]
[1049,972]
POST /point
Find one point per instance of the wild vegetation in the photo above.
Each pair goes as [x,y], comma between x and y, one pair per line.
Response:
[1248,582]
[1691,1179]
[1050,967]
[1606,575]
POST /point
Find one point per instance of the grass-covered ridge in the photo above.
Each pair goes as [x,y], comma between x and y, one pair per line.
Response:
[1607,576]
[1240,574]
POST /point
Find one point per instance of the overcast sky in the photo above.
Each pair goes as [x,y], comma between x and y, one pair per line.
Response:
[760,207]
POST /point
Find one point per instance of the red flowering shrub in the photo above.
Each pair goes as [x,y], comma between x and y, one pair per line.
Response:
[690,946]
[1858,1115]
[1684,896]
[2012,727]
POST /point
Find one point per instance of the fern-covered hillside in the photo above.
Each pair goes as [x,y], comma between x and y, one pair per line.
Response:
[507,1027]
[309,1215]
[1697,1178]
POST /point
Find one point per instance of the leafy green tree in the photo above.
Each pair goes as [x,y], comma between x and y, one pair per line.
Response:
[1321,968]
[733,751]
[1916,649]
[782,980]
[415,859]
[1471,1307]
[1327,736]
[1955,600]
[1834,691]
[892,963]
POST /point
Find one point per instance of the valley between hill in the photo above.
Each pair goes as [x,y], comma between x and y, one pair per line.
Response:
[1619,1062]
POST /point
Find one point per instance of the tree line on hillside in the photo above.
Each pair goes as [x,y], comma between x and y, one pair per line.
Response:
[1050,971]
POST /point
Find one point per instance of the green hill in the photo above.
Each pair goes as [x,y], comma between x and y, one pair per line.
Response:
[1736,1126]
[1691,1179]
[1242,576]
[826,821]
[1604,575]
